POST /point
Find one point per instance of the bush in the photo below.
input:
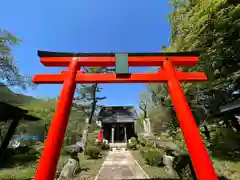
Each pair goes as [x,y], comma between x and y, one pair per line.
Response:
[133,139]
[149,144]
[104,146]
[32,151]
[142,142]
[152,156]
[143,150]
[132,144]
[65,151]
[145,142]
[9,177]
[7,154]
[183,166]
[93,152]
[97,143]
[22,149]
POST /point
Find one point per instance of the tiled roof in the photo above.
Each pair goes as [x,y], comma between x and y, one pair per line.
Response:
[117,114]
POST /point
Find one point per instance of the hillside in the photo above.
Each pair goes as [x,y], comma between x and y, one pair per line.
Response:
[6,95]
[44,109]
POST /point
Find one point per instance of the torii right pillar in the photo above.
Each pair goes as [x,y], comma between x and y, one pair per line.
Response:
[200,158]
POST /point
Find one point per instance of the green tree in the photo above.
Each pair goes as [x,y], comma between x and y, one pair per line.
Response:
[9,73]
[212,29]
[87,98]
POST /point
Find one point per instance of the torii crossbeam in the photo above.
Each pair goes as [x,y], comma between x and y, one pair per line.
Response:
[49,159]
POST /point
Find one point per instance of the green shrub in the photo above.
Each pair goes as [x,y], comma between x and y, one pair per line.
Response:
[32,151]
[21,150]
[65,151]
[152,156]
[92,142]
[149,144]
[97,143]
[223,141]
[104,146]
[145,142]
[38,158]
[142,141]
[143,150]
[182,165]
[93,152]
[9,177]
[133,140]
[132,145]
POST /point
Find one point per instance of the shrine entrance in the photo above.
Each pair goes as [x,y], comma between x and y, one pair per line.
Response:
[117,123]
[118,132]
[167,74]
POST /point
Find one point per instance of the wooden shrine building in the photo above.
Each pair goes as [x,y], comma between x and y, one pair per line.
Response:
[118,123]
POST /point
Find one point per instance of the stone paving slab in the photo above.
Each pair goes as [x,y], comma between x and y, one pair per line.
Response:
[120,165]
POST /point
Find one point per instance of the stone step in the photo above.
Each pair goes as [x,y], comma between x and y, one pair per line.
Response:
[118,149]
[118,146]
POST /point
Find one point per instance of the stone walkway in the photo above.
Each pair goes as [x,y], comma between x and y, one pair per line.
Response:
[120,165]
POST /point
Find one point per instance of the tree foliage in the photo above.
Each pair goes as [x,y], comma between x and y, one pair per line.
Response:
[211,28]
[87,99]
[9,73]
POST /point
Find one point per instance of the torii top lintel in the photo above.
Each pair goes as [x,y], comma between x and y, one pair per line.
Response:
[108,59]
[112,59]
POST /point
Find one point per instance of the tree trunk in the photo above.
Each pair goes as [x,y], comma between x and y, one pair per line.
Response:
[89,120]
[93,103]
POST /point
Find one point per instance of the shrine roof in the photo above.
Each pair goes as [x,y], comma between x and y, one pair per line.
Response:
[8,111]
[117,114]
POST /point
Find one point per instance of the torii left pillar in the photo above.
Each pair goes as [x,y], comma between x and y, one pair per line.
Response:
[59,124]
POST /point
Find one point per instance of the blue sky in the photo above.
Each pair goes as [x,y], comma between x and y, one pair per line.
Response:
[86,26]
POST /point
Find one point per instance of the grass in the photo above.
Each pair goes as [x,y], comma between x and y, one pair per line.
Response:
[225,168]
[228,169]
[23,171]
[153,172]
[89,169]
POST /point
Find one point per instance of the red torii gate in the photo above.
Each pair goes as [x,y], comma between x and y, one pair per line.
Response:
[49,159]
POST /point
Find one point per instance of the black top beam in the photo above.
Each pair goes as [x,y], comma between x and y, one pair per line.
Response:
[112,54]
